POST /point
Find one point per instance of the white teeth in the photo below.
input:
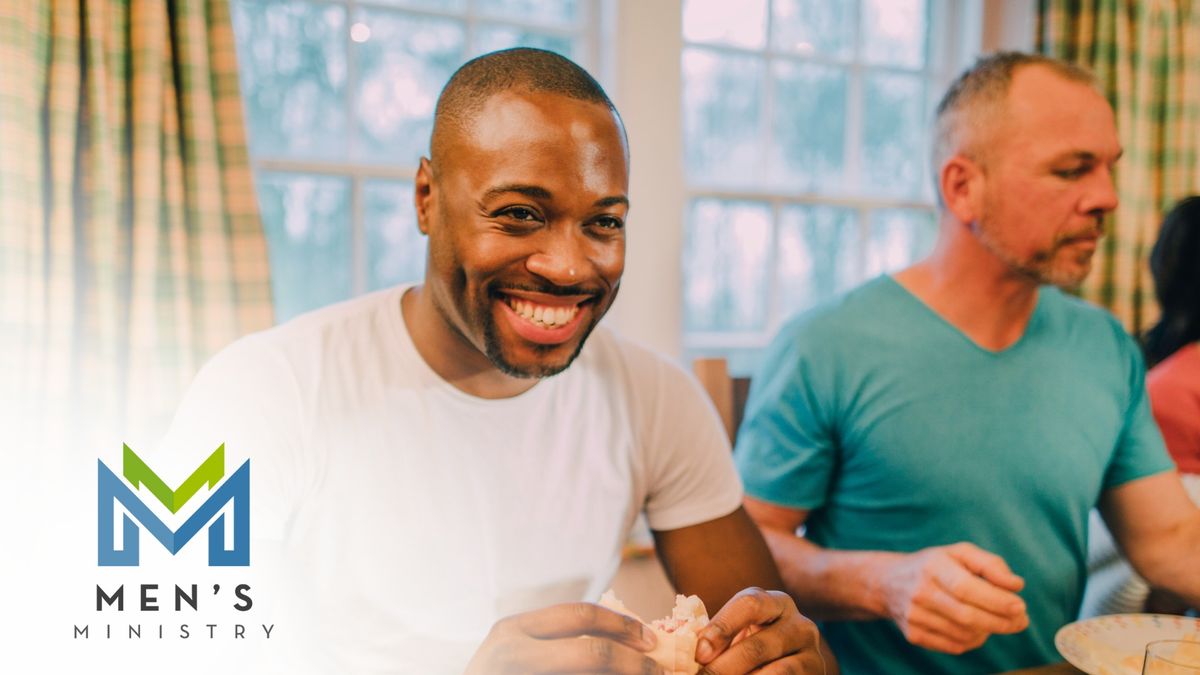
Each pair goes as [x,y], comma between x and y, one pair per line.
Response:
[550,317]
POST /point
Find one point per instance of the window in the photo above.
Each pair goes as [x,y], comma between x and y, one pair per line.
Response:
[339,98]
[805,135]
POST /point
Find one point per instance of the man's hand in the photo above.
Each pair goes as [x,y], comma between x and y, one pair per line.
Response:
[572,638]
[952,598]
[759,629]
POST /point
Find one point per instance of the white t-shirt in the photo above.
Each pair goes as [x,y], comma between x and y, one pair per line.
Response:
[409,516]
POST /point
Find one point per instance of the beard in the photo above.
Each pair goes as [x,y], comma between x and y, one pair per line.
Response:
[493,349]
[1043,265]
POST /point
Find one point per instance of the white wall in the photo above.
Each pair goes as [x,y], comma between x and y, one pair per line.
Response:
[645,85]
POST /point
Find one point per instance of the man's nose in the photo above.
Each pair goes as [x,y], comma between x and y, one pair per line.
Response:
[560,258]
[1102,193]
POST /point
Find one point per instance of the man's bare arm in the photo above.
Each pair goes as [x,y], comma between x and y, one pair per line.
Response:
[1157,526]
[947,598]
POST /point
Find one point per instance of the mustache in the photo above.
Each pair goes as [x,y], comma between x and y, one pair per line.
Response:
[1095,232]
[549,289]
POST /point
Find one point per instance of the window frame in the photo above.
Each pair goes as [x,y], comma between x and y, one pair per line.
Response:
[954,34]
[591,31]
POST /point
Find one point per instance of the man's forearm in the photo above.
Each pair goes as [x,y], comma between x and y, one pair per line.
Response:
[1171,565]
[830,585]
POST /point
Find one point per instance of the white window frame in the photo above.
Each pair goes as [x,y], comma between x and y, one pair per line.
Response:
[951,42]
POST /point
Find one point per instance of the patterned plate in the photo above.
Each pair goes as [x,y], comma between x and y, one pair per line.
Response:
[1116,644]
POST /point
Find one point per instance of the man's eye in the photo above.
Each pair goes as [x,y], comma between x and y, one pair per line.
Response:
[520,213]
[609,223]
[1072,173]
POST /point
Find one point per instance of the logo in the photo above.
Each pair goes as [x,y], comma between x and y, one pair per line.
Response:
[235,489]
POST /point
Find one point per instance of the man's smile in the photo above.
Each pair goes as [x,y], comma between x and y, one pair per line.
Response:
[544,318]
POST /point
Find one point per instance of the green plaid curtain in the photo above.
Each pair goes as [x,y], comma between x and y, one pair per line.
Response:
[130,245]
[1147,55]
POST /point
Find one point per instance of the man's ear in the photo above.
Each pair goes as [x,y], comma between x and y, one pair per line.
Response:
[961,182]
[423,197]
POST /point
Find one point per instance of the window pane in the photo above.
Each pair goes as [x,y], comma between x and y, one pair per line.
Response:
[725,265]
[403,66]
[817,260]
[739,24]
[894,32]
[395,247]
[894,152]
[809,126]
[437,5]
[292,58]
[490,36]
[824,27]
[560,12]
[897,238]
[721,105]
[307,222]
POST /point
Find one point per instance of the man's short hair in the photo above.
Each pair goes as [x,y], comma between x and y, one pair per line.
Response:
[525,68]
[978,92]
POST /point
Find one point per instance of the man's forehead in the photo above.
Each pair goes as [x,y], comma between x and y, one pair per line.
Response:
[1037,91]
[1058,115]
[522,112]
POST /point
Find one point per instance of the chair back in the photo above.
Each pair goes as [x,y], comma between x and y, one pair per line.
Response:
[728,394]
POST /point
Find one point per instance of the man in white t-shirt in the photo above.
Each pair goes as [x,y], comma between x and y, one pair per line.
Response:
[448,471]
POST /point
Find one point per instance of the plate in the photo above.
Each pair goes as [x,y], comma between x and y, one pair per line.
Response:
[1116,644]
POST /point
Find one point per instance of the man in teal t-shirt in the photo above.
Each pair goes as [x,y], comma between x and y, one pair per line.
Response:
[942,434]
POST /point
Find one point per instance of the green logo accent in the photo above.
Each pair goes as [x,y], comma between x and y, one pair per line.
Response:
[137,473]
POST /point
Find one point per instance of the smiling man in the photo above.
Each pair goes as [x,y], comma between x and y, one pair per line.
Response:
[942,433]
[447,472]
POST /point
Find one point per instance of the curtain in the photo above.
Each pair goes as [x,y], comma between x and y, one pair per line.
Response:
[1146,54]
[130,244]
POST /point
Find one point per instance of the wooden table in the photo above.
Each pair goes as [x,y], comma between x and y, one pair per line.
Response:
[1056,669]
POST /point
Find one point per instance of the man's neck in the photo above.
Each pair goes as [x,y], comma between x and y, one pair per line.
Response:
[976,293]
[450,355]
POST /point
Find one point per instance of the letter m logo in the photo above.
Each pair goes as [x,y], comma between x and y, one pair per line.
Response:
[235,489]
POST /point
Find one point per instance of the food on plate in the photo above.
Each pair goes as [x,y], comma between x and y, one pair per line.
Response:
[1132,664]
[677,634]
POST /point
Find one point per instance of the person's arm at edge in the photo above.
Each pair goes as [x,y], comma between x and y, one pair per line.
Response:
[1157,526]
[717,559]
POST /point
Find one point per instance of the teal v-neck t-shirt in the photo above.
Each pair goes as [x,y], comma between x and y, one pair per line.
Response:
[899,433]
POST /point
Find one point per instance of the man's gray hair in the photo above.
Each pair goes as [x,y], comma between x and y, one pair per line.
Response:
[978,92]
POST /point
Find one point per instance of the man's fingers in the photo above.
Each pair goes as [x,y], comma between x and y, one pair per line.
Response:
[987,565]
[750,653]
[933,621]
[970,616]
[750,607]
[968,588]
[806,663]
[588,655]
[582,618]
[938,642]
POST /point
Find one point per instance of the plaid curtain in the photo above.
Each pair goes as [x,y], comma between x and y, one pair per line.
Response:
[1147,55]
[130,245]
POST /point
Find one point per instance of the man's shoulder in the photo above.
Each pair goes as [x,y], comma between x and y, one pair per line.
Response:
[843,315]
[347,317]
[608,352]
[303,340]
[1073,315]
